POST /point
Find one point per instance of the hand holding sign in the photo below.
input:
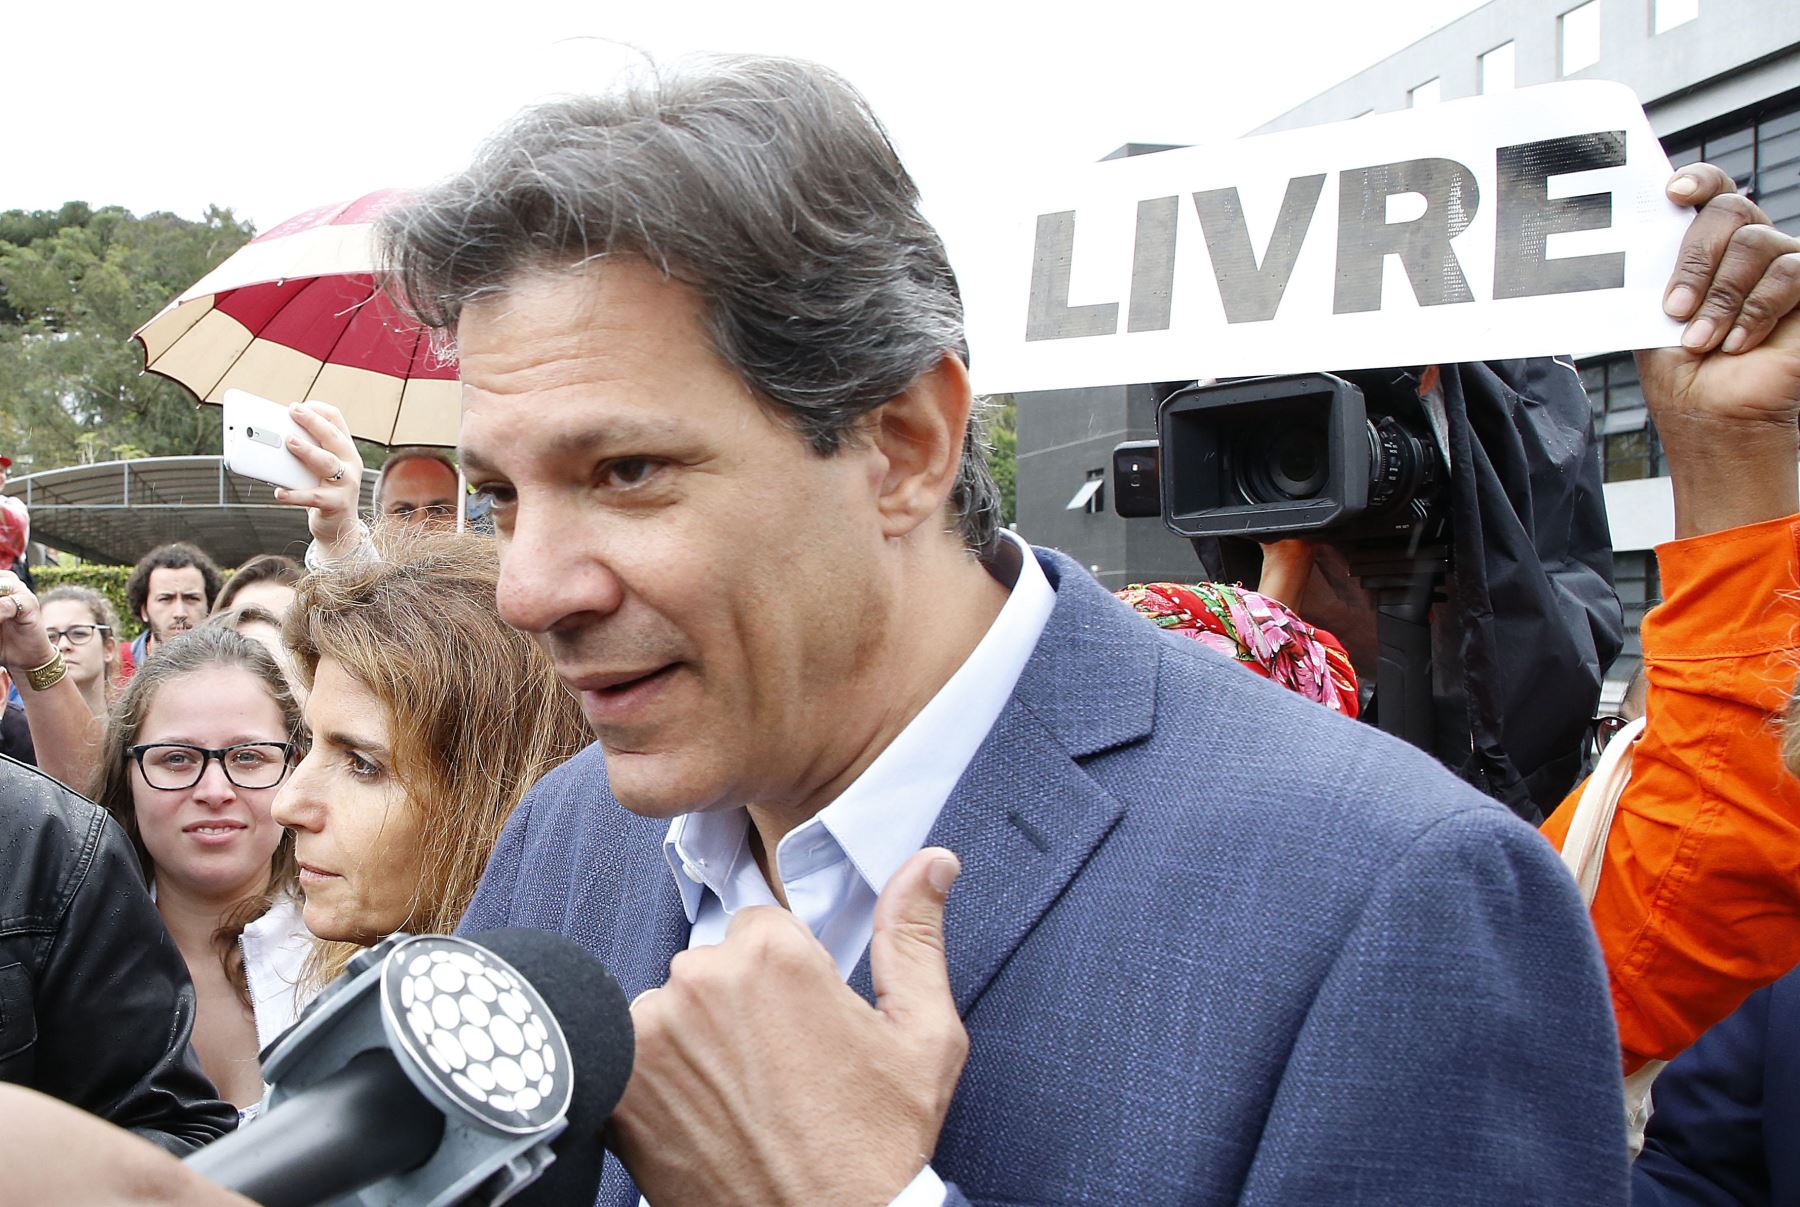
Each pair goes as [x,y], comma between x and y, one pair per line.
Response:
[1725,402]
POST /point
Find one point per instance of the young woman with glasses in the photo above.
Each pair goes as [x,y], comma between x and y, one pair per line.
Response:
[199,743]
[81,625]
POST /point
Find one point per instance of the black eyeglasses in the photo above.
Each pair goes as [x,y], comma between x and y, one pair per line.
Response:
[436,511]
[78,634]
[172,766]
[1602,729]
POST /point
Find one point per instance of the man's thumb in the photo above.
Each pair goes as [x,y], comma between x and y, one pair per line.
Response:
[906,951]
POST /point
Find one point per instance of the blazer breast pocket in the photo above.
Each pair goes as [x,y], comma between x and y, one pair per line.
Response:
[18,1018]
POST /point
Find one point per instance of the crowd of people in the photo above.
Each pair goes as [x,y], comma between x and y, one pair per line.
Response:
[936,874]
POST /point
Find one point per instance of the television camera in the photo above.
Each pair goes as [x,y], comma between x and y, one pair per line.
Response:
[1359,460]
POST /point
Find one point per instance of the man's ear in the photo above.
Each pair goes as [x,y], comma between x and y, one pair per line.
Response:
[919,433]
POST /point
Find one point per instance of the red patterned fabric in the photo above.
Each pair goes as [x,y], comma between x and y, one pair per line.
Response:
[1263,634]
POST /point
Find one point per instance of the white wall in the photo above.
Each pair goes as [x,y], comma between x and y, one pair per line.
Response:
[1641,514]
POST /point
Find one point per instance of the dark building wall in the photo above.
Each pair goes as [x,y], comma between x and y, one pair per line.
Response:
[1064,435]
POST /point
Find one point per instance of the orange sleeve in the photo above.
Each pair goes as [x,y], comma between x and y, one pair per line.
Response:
[1699,900]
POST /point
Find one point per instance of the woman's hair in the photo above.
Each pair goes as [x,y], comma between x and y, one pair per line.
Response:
[100,608]
[269,568]
[476,714]
[236,618]
[202,649]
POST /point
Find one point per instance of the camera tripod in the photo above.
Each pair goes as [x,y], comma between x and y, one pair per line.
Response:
[1403,581]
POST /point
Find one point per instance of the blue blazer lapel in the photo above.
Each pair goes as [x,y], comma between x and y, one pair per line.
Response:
[639,955]
[642,951]
[622,902]
[1026,817]
[1020,844]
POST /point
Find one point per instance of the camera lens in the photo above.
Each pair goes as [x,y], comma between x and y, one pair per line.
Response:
[1289,467]
[1297,464]
[1402,465]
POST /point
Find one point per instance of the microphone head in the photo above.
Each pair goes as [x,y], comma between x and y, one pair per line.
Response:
[596,1021]
[487,1045]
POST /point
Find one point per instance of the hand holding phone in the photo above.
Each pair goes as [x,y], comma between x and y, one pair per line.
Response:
[324,447]
[257,432]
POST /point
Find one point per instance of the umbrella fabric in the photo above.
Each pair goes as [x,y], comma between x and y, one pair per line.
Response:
[295,315]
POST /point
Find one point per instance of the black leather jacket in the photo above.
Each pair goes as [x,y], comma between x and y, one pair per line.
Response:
[95,1003]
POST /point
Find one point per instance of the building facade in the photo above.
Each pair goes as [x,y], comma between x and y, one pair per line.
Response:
[1719,80]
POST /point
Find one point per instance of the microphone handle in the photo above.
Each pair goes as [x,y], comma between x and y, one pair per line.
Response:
[362,1123]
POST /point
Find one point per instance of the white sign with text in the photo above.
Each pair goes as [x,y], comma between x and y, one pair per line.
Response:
[1531,223]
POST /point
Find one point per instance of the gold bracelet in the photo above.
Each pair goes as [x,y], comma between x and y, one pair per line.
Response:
[47,676]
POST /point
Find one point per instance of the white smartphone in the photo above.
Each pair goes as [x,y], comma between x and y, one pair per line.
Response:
[256,435]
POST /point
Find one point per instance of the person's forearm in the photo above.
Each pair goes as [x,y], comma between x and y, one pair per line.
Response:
[64,732]
[1726,474]
[1286,567]
[359,544]
[1697,905]
[54,1153]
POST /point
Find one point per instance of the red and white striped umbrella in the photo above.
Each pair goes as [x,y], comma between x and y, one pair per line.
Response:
[294,315]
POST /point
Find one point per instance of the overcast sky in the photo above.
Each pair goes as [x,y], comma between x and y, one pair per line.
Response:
[270,109]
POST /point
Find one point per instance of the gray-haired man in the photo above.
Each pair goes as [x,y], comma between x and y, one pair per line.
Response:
[715,387]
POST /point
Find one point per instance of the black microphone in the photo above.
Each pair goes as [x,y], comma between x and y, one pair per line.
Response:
[440,1070]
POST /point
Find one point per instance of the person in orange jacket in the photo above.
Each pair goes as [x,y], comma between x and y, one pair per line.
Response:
[1700,892]
[1699,896]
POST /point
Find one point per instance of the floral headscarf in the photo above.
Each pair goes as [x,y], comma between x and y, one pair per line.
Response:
[1261,633]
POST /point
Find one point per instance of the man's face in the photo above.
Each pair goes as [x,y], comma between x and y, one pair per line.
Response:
[420,491]
[176,602]
[703,579]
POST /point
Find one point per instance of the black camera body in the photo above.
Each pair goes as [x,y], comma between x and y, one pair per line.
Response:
[1478,655]
[1352,458]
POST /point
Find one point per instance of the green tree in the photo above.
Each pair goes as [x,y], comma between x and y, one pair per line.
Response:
[1003,455]
[74,284]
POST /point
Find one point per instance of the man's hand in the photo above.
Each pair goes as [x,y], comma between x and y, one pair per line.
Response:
[1725,402]
[331,506]
[762,1078]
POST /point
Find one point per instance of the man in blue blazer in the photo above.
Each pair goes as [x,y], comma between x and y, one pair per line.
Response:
[1207,942]
[1212,944]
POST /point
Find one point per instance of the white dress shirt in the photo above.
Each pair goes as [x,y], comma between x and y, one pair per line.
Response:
[833,866]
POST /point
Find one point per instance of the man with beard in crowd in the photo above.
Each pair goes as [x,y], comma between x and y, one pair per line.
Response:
[170,590]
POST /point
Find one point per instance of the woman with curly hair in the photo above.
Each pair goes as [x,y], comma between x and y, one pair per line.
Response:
[430,719]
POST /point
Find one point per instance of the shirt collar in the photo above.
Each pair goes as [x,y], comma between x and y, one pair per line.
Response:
[887,812]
